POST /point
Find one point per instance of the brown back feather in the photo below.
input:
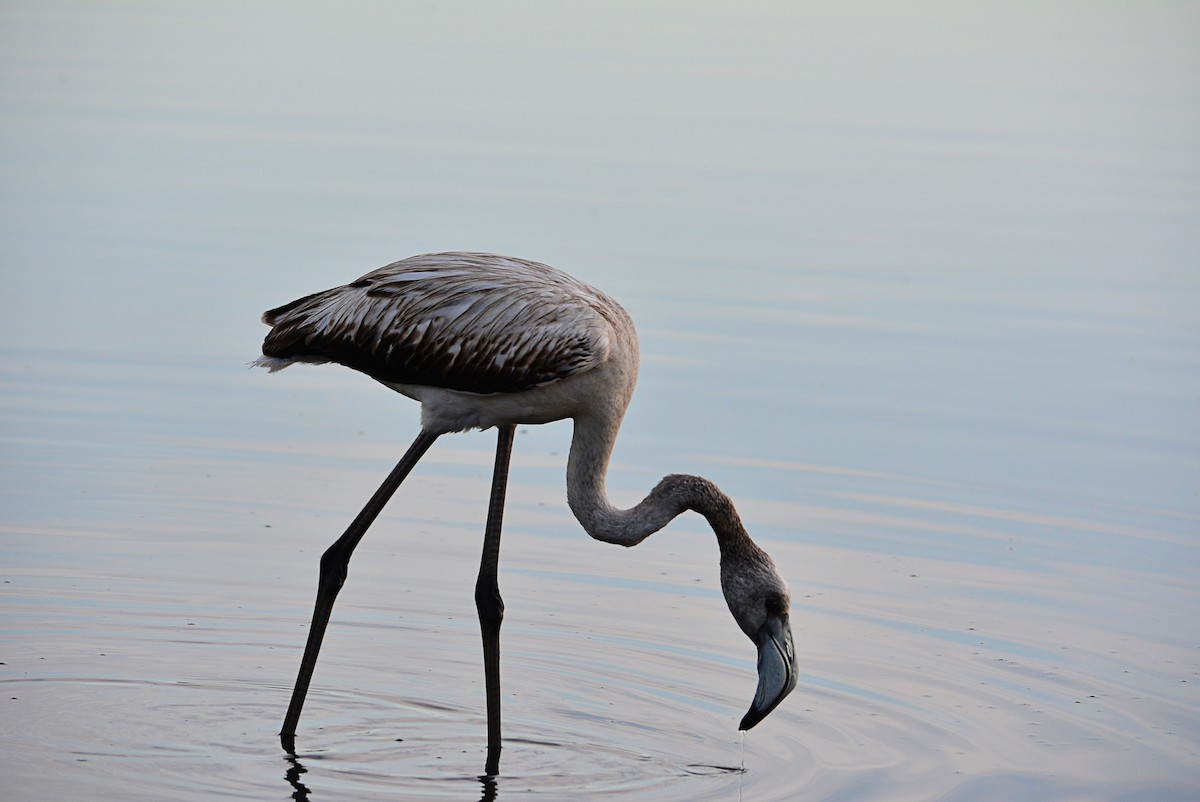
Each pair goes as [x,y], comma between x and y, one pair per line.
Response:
[472,322]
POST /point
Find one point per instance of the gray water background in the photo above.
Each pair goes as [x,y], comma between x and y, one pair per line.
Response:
[919,286]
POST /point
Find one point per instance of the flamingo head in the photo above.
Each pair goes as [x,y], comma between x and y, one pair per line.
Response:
[759,600]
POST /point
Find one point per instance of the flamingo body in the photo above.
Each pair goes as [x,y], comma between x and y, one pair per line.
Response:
[486,341]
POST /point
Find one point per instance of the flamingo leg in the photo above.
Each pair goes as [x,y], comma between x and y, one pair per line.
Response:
[487,595]
[334,564]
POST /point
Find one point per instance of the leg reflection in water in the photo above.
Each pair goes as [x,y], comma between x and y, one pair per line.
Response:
[300,792]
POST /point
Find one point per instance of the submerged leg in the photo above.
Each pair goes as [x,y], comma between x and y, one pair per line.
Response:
[334,564]
[487,596]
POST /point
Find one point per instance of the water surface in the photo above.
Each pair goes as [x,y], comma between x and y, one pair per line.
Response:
[917,287]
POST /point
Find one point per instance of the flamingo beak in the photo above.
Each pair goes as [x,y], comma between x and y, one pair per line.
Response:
[777,672]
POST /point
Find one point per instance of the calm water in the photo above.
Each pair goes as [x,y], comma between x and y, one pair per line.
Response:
[919,288]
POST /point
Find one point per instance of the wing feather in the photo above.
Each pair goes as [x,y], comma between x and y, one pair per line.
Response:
[471,322]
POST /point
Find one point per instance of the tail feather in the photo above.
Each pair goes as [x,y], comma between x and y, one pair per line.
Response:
[274,363]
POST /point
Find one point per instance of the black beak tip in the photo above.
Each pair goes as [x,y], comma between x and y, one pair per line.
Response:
[756,713]
[751,718]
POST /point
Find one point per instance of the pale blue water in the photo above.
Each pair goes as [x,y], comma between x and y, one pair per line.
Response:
[919,287]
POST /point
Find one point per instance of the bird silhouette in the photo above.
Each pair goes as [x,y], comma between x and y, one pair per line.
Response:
[485,341]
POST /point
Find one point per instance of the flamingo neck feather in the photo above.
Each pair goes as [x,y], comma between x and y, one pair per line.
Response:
[587,468]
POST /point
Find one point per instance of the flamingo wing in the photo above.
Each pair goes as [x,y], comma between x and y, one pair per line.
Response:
[472,322]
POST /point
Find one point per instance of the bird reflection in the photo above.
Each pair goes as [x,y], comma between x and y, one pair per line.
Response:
[300,792]
[489,787]
[292,775]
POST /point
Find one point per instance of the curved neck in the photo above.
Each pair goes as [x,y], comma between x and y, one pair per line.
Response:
[591,447]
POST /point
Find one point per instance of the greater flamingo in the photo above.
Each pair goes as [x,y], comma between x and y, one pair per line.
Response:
[487,341]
